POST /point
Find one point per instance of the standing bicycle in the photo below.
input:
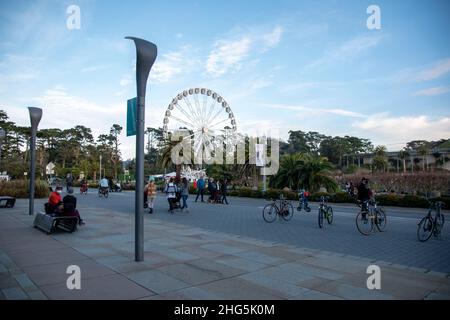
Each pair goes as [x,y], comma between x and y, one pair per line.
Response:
[325,211]
[282,208]
[431,226]
[370,216]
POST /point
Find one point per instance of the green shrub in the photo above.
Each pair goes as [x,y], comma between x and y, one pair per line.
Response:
[257,194]
[245,192]
[413,201]
[316,196]
[387,199]
[19,189]
[342,197]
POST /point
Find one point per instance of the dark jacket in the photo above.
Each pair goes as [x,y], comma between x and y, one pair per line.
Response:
[70,203]
[363,192]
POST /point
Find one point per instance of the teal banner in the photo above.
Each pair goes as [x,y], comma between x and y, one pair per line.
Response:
[131,117]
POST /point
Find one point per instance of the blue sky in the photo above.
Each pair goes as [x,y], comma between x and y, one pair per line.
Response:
[281,65]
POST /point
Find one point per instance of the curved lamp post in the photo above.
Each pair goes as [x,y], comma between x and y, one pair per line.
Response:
[146,53]
[35,118]
[2,136]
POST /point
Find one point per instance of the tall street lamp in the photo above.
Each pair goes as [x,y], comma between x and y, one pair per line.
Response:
[2,136]
[146,53]
[35,118]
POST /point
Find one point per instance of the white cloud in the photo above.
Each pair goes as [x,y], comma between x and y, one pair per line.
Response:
[273,38]
[301,86]
[439,69]
[347,50]
[316,111]
[227,56]
[384,128]
[170,65]
[93,68]
[125,81]
[435,91]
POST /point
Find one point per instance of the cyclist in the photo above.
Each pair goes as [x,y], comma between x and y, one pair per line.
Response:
[83,185]
[364,195]
[304,197]
[104,185]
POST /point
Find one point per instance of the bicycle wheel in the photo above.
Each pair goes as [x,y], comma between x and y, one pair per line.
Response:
[364,225]
[106,194]
[425,229]
[380,220]
[288,213]
[307,208]
[439,224]
[329,214]
[99,194]
[269,213]
[320,217]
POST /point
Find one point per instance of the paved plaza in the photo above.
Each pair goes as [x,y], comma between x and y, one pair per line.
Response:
[219,252]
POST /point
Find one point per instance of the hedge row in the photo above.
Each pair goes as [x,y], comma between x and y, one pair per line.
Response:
[339,197]
[19,189]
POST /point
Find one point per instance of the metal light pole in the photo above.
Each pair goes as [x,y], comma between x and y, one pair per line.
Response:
[35,118]
[146,53]
[100,167]
[2,136]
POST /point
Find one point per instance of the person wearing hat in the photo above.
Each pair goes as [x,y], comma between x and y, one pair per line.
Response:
[70,206]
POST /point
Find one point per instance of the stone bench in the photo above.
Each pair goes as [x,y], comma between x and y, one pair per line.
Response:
[49,223]
[7,202]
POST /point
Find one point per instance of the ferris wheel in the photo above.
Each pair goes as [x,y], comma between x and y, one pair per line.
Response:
[204,114]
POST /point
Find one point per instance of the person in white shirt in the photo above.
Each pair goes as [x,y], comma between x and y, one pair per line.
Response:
[104,184]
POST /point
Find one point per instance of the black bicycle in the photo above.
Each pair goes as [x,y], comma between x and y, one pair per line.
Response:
[103,191]
[429,226]
[325,211]
[370,215]
[282,208]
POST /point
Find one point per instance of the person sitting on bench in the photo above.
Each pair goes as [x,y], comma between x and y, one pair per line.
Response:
[70,206]
[53,200]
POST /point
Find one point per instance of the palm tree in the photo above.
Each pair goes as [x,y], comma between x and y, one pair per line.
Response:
[287,175]
[423,151]
[304,171]
[315,172]
[403,154]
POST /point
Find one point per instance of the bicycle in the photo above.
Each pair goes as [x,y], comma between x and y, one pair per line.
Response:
[103,192]
[325,211]
[369,216]
[429,226]
[284,210]
[84,189]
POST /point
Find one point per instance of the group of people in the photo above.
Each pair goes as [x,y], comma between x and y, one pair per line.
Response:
[60,206]
[217,190]
[177,193]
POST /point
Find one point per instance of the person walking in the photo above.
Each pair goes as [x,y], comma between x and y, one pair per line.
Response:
[224,189]
[184,194]
[171,194]
[151,194]
[69,181]
[200,188]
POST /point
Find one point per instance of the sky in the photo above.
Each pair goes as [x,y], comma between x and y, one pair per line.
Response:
[280,65]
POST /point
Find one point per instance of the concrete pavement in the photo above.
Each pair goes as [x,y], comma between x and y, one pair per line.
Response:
[187,262]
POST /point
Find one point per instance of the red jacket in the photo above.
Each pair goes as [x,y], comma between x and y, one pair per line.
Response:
[54,198]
